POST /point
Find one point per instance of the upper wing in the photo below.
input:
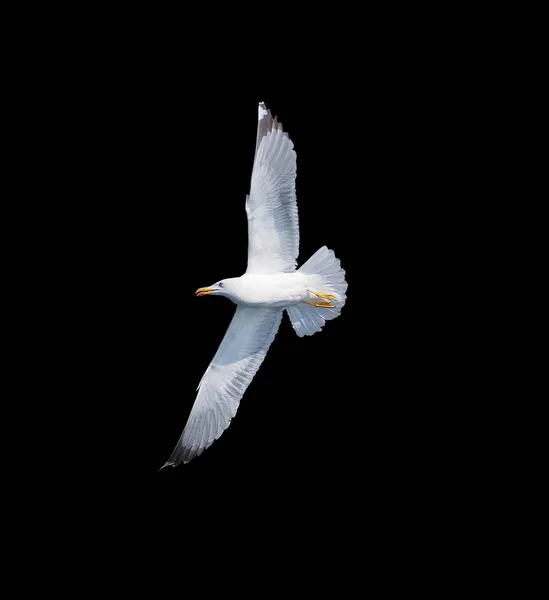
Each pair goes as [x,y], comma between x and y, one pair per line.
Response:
[273,228]
[237,360]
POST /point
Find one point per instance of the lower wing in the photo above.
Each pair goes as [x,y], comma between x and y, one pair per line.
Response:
[237,360]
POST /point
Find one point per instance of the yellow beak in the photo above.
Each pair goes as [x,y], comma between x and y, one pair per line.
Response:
[203,291]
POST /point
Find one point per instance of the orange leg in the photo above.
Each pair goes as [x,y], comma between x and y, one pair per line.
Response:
[319,295]
[320,304]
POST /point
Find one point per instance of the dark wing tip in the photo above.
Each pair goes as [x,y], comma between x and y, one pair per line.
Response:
[167,464]
[182,455]
[266,123]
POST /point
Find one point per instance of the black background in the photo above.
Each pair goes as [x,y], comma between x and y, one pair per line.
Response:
[363,443]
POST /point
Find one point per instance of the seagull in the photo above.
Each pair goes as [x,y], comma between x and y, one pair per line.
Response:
[311,295]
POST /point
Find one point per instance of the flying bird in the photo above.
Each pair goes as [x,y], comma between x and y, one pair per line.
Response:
[311,295]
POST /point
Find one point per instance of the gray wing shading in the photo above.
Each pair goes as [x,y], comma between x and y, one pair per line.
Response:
[237,360]
[273,226]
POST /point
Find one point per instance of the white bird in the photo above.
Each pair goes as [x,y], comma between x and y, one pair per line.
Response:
[313,294]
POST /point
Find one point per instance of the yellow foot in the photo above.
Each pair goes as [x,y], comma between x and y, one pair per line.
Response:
[320,304]
[319,295]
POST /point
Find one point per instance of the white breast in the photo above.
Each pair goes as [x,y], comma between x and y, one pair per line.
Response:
[281,289]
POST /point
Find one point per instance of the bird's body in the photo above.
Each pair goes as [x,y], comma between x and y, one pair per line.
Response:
[277,290]
[311,295]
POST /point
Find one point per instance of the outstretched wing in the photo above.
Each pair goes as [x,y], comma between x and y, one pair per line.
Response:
[273,227]
[237,360]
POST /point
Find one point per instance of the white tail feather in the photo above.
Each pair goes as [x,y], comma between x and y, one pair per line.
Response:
[325,276]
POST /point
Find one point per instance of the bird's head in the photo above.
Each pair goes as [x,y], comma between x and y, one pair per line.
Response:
[217,289]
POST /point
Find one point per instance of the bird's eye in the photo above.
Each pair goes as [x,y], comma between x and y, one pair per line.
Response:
[220,284]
